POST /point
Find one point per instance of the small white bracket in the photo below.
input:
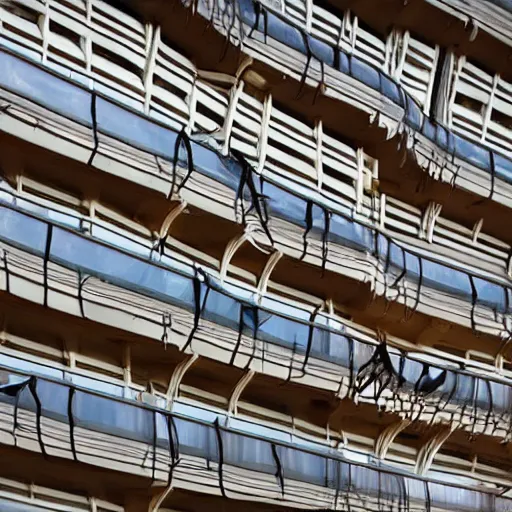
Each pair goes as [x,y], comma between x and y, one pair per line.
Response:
[477,228]
[93,505]
[267,271]
[156,502]
[387,436]
[319,134]
[153,41]
[231,249]
[170,218]
[177,377]
[237,392]
[430,449]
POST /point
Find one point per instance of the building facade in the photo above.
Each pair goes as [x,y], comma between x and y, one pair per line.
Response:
[255,255]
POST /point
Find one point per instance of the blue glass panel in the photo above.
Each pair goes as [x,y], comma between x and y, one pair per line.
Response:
[117,267]
[222,309]
[429,129]
[330,346]
[285,33]
[503,167]
[414,114]
[54,399]
[44,88]
[365,73]
[444,139]
[473,153]
[348,233]
[322,51]
[105,415]
[444,278]
[222,169]
[285,205]
[343,62]
[134,129]
[247,12]
[196,439]
[390,89]
[23,231]
[280,330]
[491,294]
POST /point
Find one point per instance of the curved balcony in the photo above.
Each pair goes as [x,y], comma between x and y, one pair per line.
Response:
[61,420]
[138,69]
[186,305]
[283,216]
[456,159]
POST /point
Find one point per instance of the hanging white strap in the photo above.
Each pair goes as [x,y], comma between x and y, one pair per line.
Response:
[448,107]
[382,211]
[430,86]
[88,38]
[93,504]
[403,54]
[309,15]
[170,218]
[387,436]
[360,180]
[44,27]
[192,108]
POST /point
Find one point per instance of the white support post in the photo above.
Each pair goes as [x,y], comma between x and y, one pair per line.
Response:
[263,142]
[236,92]
[319,133]
[153,41]
[267,271]
[177,376]
[231,249]
[171,217]
[237,392]
[44,27]
[430,449]
[387,436]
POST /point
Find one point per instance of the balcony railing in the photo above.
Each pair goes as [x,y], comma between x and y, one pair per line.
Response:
[328,236]
[65,419]
[403,384]
[131,63]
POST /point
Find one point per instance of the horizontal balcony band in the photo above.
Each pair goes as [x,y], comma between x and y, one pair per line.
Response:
[454,157]
[281,211]
[346,159]
[270,429]
[452,151]
[63,421]
[351,168]
[184,305]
